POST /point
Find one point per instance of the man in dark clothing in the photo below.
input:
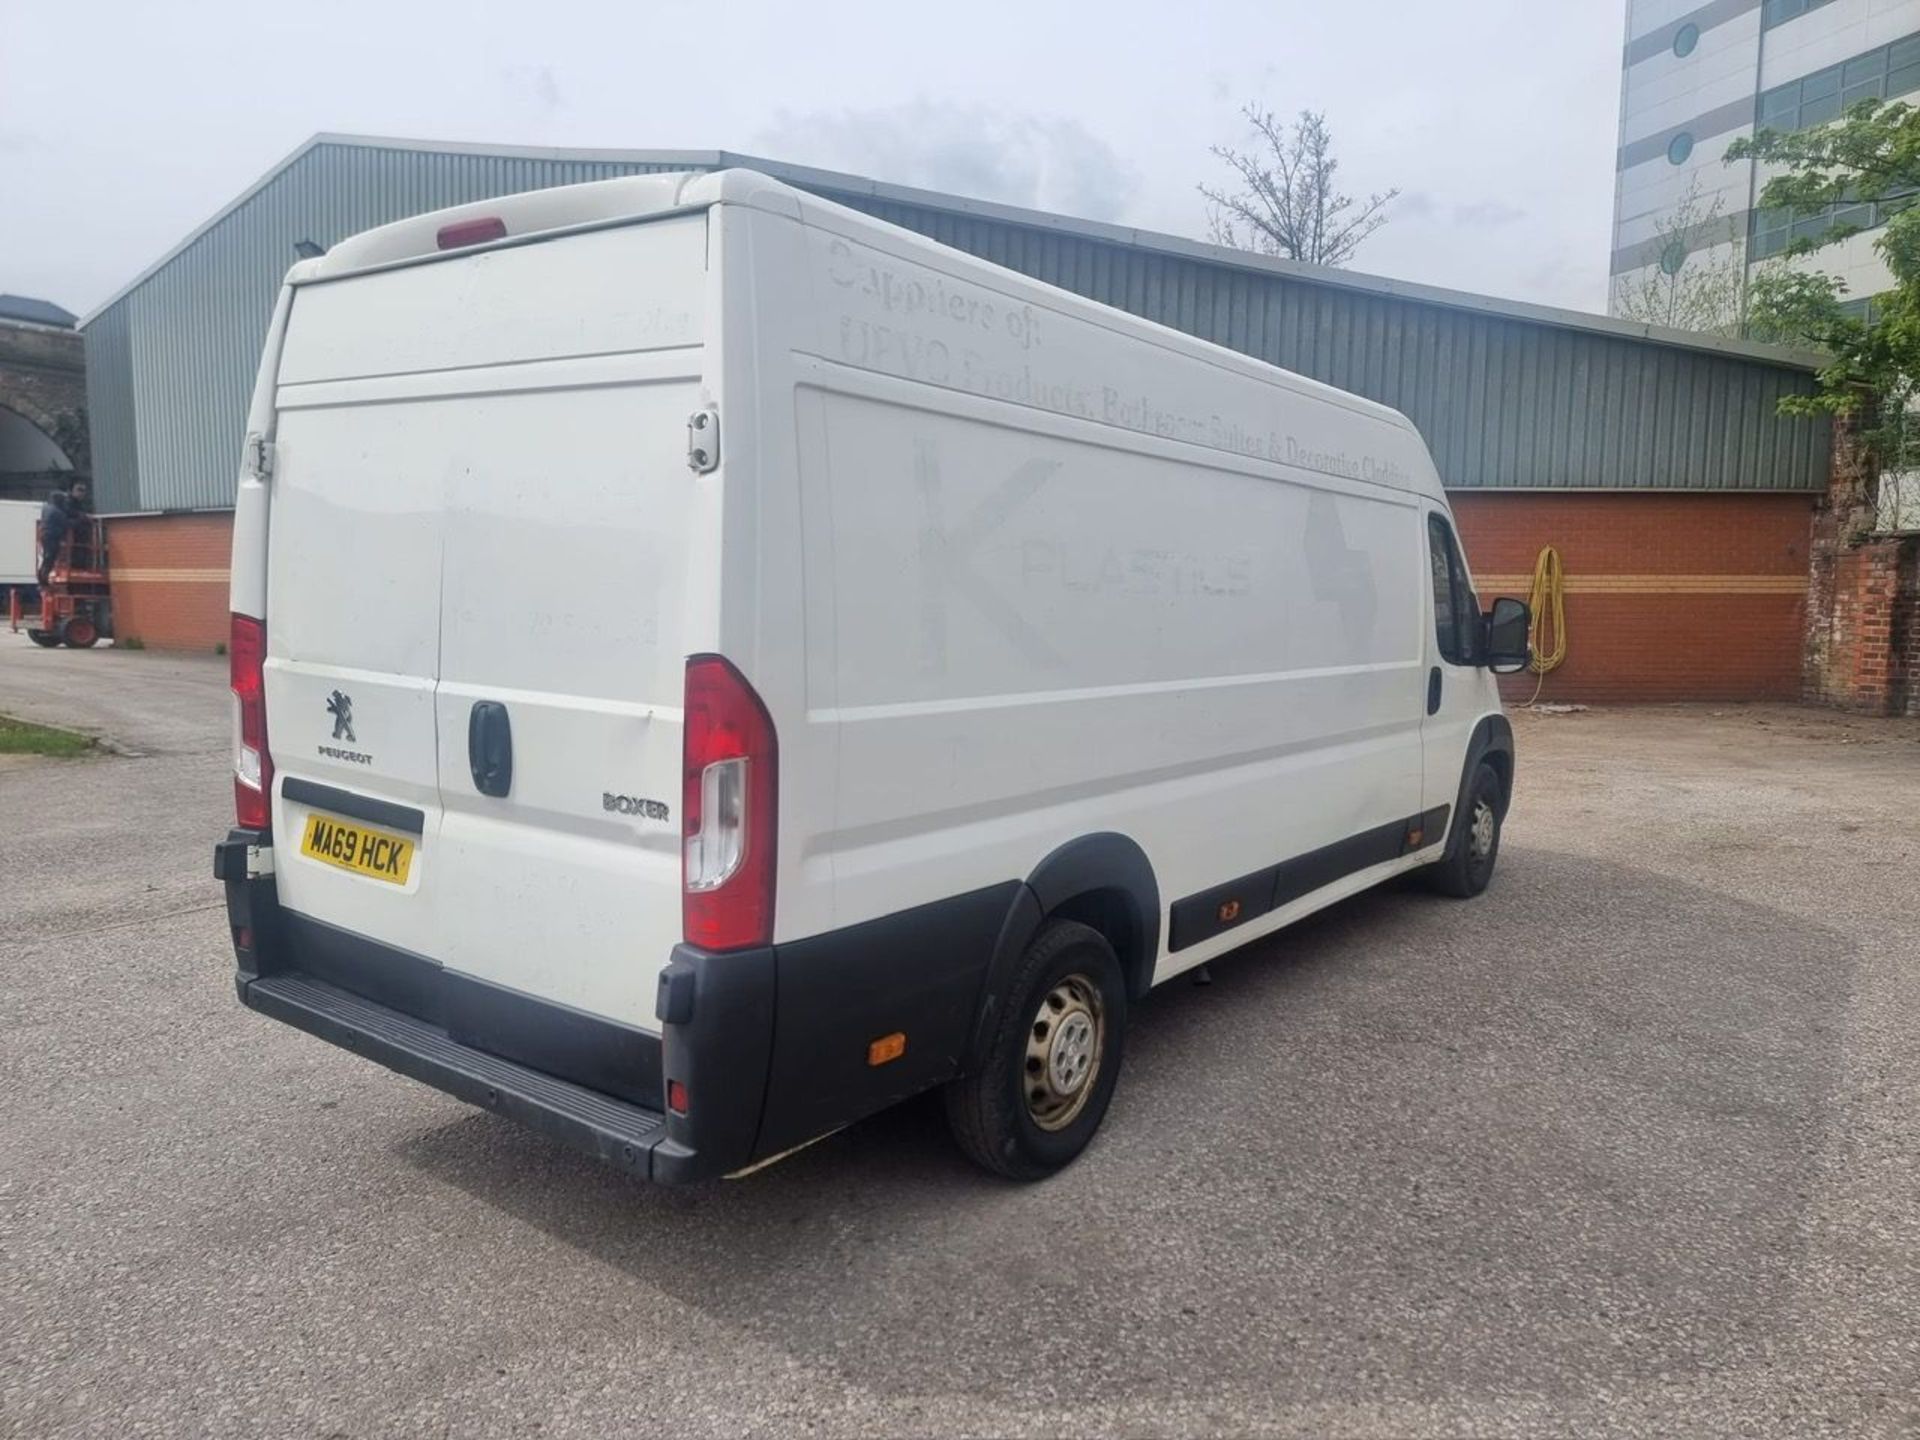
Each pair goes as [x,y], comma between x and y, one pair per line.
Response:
[63,511]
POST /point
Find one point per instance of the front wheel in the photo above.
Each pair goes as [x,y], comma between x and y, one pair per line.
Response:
[81,633]
[1465,869]
[45,639]
[1043,1087]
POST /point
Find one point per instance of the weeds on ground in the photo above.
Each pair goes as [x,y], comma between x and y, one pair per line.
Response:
[17,737]
[130,642]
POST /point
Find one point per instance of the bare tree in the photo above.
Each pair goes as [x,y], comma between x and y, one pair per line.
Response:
[1287,203]
[1699,278]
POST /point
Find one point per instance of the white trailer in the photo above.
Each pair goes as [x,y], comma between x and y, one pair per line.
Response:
[19,554]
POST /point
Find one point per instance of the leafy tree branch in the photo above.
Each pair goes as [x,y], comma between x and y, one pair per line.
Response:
[1868,157]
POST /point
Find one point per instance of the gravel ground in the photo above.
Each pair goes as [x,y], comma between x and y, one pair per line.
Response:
[1628,1146]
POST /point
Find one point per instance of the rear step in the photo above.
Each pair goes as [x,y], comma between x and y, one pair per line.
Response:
[616,1131]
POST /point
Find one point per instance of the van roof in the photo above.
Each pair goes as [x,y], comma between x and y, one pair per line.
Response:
[541,214]
[530,214]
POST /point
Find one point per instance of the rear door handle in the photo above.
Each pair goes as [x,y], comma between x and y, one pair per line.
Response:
[1433,691]
[490,747]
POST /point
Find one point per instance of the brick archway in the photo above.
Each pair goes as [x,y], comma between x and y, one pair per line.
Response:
[24,407]
[43,380]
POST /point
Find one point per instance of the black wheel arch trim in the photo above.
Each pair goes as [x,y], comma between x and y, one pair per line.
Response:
[1112,862]
[1091,864]
[1494,734]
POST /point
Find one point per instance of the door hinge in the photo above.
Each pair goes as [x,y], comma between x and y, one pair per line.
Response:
[703,440]
[258,461]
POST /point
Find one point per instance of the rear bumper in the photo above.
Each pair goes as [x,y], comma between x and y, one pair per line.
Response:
[618,1132]
[582,1079]
[759,1083]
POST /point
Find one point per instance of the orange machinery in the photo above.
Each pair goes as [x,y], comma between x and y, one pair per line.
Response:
[76,606]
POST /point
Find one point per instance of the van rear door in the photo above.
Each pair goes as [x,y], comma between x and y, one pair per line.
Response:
[482,538]
[563,653]
[353,641]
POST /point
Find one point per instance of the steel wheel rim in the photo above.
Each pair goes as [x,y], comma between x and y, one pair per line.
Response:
[1482,833]
[1066,1041]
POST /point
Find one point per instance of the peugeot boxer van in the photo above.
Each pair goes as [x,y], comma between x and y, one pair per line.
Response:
[708,664]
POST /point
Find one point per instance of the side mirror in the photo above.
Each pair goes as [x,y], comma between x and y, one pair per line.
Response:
[1505,640]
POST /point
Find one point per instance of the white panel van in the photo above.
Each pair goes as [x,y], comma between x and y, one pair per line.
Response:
[708,664]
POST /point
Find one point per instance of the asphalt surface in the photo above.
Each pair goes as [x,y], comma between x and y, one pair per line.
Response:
[1627,1146]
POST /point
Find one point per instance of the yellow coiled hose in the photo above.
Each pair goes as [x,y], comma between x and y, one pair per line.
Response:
[1548,602]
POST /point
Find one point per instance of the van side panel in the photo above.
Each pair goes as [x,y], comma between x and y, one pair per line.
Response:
[1083,583]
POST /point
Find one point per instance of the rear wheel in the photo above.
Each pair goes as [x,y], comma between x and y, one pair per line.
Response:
[44,638]
[81,633]
[1043,1087]
[1465,869]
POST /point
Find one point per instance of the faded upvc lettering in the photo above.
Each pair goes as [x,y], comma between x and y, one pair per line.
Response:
[926,327]
[930,296]
[1138,572]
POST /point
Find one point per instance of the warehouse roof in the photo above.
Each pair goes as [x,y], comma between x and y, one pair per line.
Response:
[831,182]
[35,312]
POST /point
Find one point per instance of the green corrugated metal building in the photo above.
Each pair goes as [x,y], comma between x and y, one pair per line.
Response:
[1625,446]
[1509,396]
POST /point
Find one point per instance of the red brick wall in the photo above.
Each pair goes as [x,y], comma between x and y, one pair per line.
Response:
[1904,635]
[169,576]
[1668,597]
[1863,600]
[1868,628]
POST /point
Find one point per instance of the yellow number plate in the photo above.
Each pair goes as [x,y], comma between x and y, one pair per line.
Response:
[356,848]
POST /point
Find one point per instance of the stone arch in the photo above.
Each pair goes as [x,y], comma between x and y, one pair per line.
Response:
[39,449]
[21,402]
[43,381]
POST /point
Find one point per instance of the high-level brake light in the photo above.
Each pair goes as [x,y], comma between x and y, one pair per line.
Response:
[462,233]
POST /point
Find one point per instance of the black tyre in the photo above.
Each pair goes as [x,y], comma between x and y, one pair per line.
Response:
[1465,869]
[46,639]
[80,633]
[1049,1070]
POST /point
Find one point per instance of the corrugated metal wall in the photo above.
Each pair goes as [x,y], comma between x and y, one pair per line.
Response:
[110,409]
[184,345]
[1503,402]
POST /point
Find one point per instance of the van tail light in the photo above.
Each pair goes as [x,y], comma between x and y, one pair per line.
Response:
[729,784]
[252,762]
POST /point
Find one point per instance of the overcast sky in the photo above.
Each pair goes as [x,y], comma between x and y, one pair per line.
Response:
[125,123]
